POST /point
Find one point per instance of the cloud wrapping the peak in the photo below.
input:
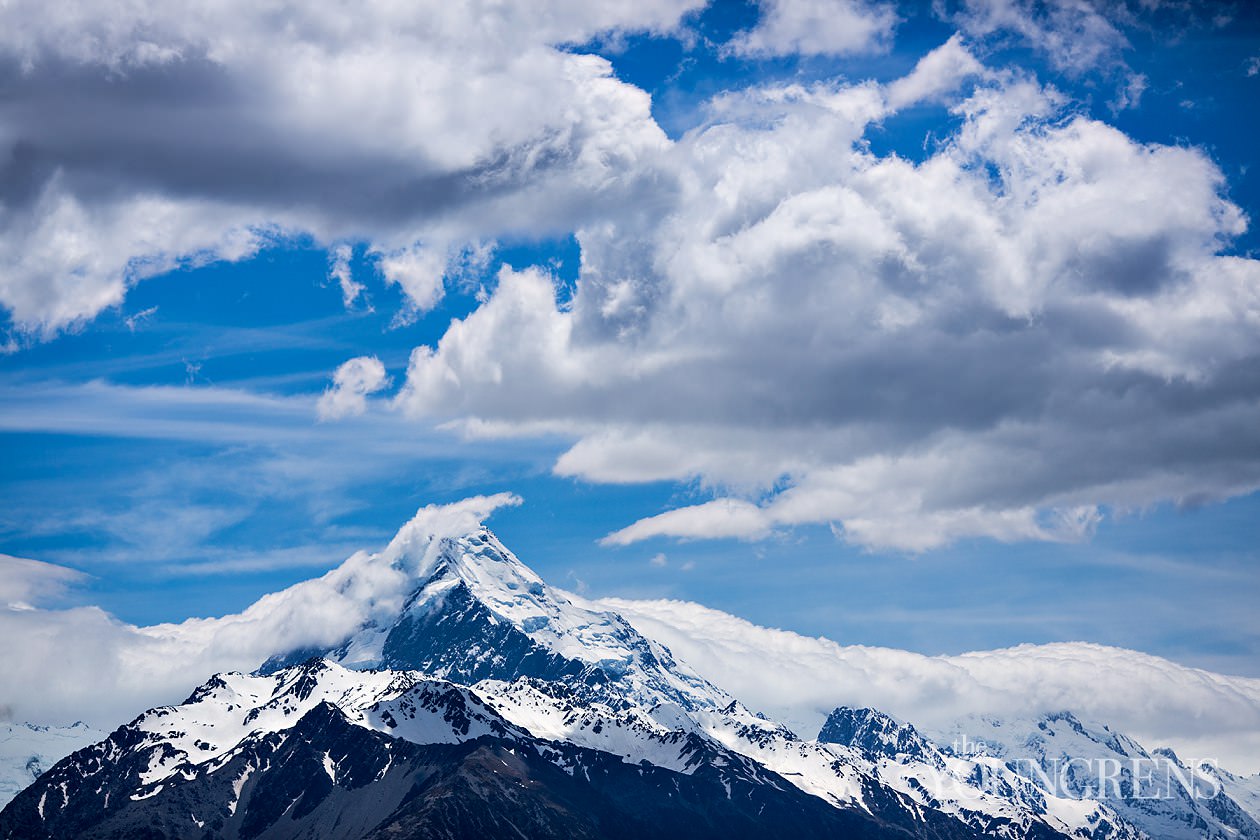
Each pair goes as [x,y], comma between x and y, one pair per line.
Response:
[109,670]
[419,538]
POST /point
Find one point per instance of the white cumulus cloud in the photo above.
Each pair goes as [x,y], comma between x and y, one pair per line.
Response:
[937,74]
[352,383]
[1033,325]
[143,136]
[818,27]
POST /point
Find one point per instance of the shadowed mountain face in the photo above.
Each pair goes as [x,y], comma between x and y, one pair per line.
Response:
[459,638]
[876,733]
[477,613]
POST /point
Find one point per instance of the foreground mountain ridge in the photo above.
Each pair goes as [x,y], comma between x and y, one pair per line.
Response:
[483,657]
[284,754]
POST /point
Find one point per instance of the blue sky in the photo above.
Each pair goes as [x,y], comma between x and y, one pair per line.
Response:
[159,422]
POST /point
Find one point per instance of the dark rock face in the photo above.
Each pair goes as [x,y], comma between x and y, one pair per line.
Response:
[328,778]
[461,640]
[447,628]
[876,733]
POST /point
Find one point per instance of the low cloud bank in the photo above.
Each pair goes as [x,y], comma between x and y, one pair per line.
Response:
[798,680]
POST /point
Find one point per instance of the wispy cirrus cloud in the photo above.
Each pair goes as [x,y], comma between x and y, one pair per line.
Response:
[25,582]
[206,480]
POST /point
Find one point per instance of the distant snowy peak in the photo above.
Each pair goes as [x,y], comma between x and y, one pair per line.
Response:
[1244,790]
[981,790]
[476,612]
[27,750]
[1045,737]
[1155,791]
[877,733]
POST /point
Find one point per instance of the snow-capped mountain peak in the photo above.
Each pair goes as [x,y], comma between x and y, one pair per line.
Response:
[877,733]
[475,612]
[1154,791]
[461,644]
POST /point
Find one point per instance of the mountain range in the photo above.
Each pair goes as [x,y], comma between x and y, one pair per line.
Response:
[487,703]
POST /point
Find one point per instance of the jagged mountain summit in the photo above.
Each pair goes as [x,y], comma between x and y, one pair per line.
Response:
[474,700]
[477,612]
[478,615]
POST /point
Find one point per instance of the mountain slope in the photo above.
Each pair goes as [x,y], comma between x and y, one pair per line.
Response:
[315,751]
[1244,790]
[466,670]
[560,667]
[798,680]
